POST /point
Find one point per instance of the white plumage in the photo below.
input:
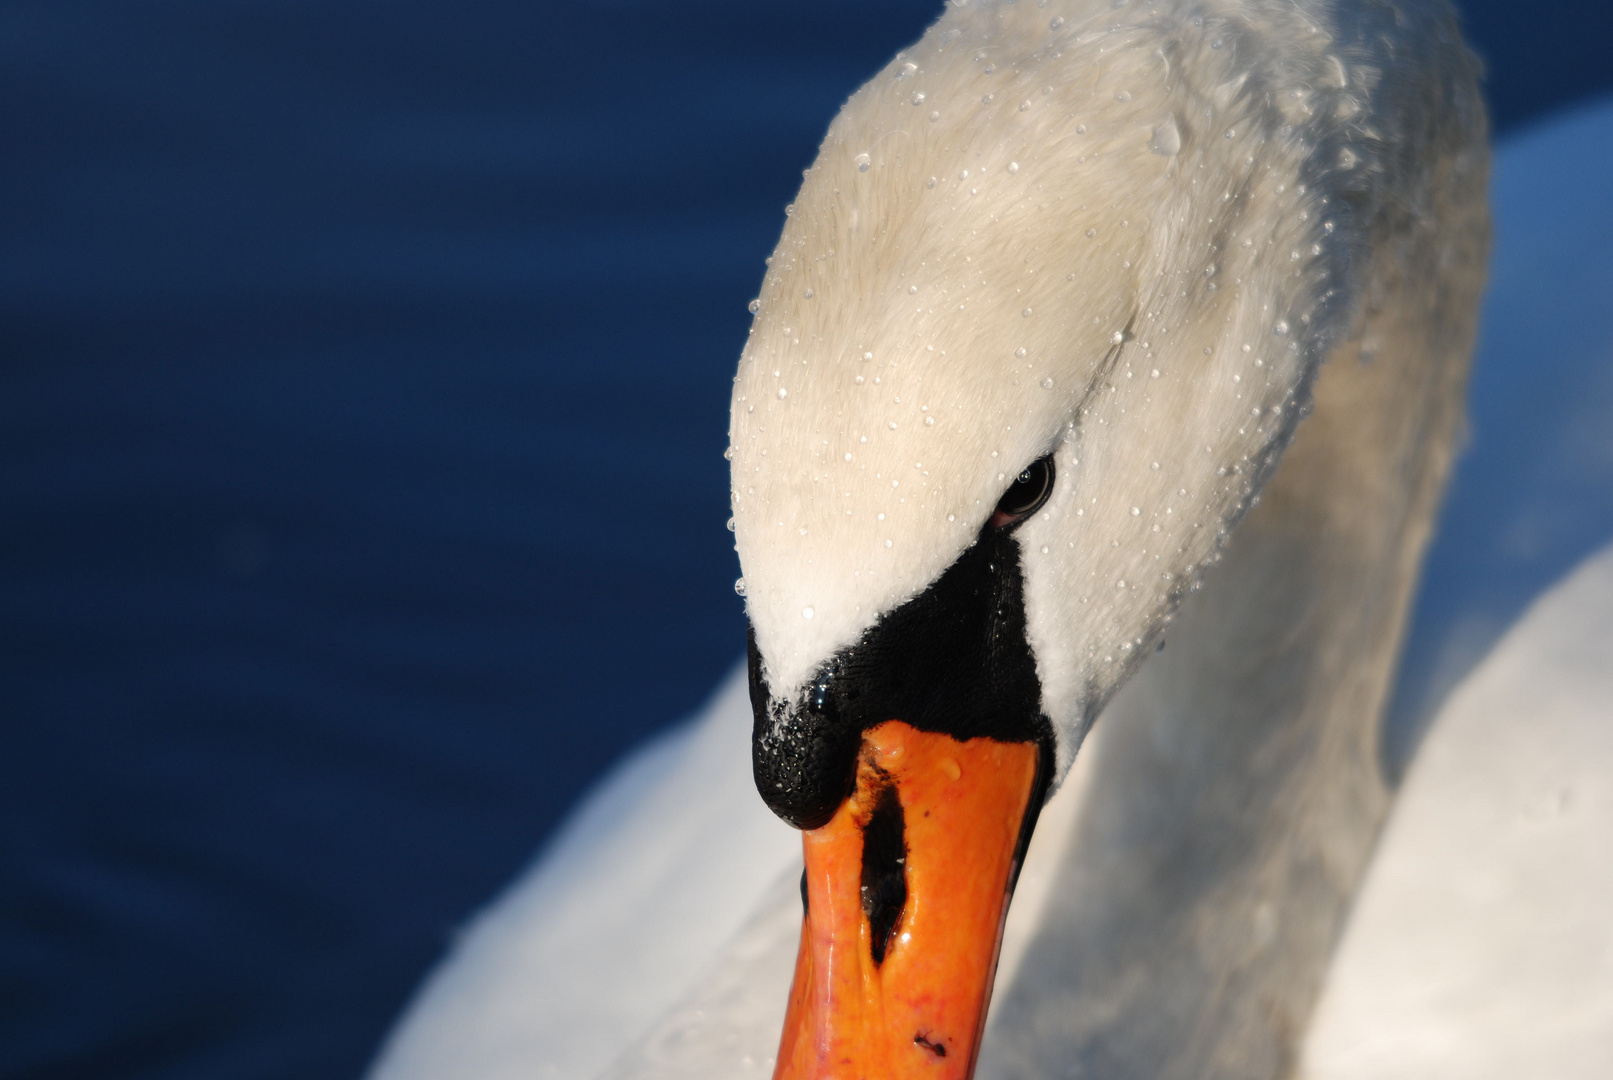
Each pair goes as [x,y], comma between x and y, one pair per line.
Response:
[1127,235]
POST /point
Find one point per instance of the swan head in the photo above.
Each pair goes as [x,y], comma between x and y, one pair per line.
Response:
[1044,314]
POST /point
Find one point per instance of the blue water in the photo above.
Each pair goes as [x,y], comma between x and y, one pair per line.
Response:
[363,378]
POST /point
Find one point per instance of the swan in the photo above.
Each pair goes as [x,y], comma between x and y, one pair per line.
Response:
[1110,361]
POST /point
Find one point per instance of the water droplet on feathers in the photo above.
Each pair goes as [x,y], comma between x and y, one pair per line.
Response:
[1167,140]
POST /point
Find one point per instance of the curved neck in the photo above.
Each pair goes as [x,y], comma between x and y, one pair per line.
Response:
[1236,789]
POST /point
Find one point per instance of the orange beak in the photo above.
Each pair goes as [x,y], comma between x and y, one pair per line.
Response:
[906,888]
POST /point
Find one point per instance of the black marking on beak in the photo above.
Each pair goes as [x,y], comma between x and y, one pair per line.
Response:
[884,877]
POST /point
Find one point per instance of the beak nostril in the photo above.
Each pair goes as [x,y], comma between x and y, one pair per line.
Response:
[884,870]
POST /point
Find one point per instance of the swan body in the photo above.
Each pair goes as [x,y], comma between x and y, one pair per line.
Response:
[1478,946]
[1124,238]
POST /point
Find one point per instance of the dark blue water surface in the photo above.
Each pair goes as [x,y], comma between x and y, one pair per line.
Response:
[363,380]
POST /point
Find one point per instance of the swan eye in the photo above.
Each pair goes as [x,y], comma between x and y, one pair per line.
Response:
[1025,495]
